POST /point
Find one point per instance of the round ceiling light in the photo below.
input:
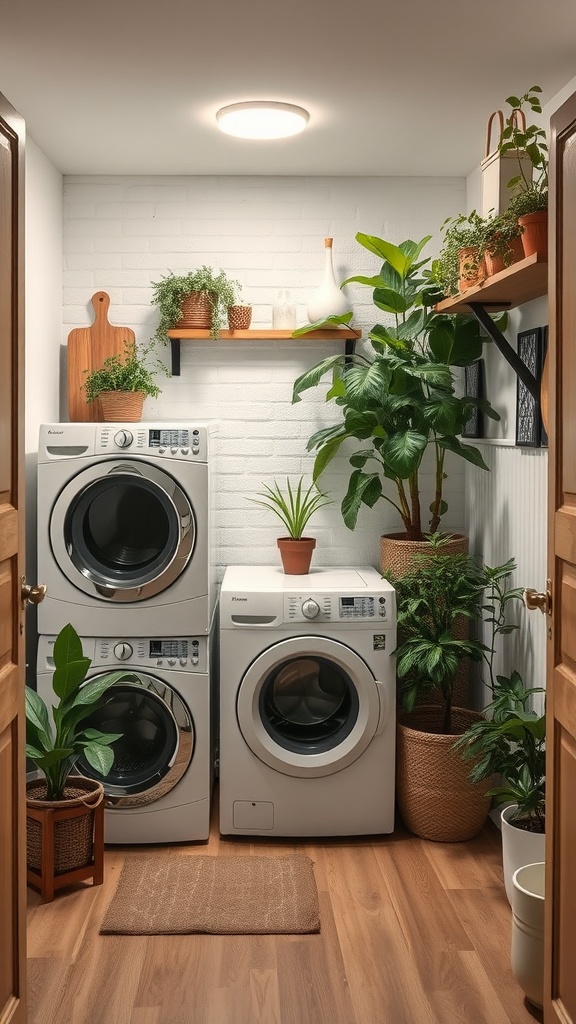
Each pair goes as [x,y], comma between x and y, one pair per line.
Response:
[262,119]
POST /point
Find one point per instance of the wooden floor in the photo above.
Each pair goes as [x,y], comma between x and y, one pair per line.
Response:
[412,933]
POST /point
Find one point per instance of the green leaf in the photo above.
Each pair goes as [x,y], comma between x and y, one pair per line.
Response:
[67,647]
[68,678]
[325,455]
[326,323]
[386,251]
[403,452]
[100,757]
[311,378]
[465,451]
[37,717]
[363,488]
[390,301]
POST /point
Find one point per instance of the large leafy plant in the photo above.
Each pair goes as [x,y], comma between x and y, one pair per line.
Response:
[55,745]
[401,399]
[509,743]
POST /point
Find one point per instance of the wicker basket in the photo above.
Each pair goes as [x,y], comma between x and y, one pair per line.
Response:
[435,796]
[397,553]
[239,317]
[121,406]
[196,311]
[72,835]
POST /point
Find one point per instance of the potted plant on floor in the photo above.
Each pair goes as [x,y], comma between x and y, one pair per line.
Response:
[198,300]
[65,840]
[508,743]
[294,508]
[530,203]
[436,798]
[400,401]
[121,385]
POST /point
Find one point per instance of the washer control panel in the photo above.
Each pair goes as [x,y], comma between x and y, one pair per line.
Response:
[189,443]
[182,653]
[335,607]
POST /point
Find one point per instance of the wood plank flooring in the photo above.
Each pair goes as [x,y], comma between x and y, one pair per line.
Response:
[412,933]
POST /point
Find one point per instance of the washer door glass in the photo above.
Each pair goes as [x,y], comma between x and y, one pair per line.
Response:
[122,531]
[308,706]
[156,744]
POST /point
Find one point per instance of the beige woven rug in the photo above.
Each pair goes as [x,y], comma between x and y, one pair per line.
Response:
[179,894]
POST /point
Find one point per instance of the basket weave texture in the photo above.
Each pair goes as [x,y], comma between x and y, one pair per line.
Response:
[196,311]
[239,317]
[73,837]
[435,796]
[397,553]
[120,406]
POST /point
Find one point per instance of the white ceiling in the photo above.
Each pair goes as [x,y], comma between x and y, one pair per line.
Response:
[393,88]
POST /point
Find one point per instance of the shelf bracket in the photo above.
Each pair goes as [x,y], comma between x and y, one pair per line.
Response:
[478,309]
[175,356]
[349,348]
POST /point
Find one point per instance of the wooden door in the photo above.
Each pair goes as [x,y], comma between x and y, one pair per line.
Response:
[12,724]
[560,953]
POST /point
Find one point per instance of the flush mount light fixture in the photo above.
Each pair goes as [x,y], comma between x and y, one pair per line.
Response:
[262,119]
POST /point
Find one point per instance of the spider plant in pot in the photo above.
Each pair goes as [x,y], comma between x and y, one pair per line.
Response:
[294,507]
[529,201]
[61,805]
[507,745]
[435,796]
[198,300]
[121,385]
[400,401]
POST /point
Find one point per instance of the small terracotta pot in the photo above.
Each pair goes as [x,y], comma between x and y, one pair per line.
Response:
[296,555]
[535,233]
[495,263]
[239,317]
[472,271]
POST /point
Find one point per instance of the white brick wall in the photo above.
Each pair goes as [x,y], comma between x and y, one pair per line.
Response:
[120,234]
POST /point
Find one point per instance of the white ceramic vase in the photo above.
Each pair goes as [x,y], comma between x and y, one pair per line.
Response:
[527,948]
[519,847]
[327,300]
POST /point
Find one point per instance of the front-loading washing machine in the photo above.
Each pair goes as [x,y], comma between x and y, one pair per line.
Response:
[124,526]
[307,702]
[160,785]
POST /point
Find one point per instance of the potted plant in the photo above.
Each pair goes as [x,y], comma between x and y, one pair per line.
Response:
[530,201]
[400,401]
[460,263]
[120,385]
[436,798]
[503,244]
[65,841]
[239,313]
[196,300]
[508,743]
[294,508]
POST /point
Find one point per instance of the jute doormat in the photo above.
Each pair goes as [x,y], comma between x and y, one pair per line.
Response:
[178,895]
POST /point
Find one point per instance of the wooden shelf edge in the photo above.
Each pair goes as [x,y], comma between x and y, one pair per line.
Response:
[523,281]
[343,334]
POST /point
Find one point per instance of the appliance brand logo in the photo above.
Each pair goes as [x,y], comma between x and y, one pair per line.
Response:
[55,431]
[239,598]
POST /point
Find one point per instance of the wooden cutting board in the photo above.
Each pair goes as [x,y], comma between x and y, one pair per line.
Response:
[88,347]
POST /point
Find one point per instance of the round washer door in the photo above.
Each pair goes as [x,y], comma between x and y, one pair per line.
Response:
[308,706]
[122,530]
[156,744]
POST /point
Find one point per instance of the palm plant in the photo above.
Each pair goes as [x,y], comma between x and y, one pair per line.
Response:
[295,507]
[400,400]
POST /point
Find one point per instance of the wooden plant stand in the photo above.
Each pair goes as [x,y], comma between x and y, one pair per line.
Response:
[44,880]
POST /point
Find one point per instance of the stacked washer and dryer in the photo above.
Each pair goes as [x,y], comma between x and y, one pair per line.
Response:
[125,548]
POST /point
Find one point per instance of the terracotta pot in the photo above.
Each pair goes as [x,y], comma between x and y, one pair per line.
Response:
[397,553]
[495,263]
[121,406]
[435,797]
[535,233]
[296,555]
[239,317]
[196,311]
[472,270]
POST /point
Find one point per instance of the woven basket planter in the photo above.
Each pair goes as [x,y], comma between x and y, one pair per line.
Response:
[64,838]
[435,797]
[121,406]
[196,311]
[397,553]
[239,317]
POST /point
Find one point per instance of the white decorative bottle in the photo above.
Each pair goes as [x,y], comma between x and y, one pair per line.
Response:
[327,300]
[284,312]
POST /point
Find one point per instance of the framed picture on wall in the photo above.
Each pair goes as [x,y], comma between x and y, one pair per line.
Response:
[529,429]
[474,388]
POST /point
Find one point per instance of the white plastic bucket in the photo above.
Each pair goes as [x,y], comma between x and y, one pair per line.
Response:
[527,951]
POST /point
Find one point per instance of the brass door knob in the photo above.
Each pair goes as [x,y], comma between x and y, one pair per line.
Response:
[33,595]
[533,599]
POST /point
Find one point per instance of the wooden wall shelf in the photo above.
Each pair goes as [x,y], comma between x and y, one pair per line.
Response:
[525,280]
[347,335]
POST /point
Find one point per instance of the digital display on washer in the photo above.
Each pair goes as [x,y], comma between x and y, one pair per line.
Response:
[169,438]
[357,607]
[168,648]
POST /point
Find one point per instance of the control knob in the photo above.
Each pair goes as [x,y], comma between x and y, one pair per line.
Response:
[123,651]
[310,608]
[123,439]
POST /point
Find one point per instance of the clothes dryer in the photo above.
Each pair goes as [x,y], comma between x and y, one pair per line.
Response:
[159,787]
[307,702]
[124,526]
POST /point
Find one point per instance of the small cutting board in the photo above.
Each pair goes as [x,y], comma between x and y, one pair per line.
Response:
[88,347]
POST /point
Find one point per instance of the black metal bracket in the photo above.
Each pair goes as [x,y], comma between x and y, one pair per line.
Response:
[175,356]
[478,309]
[349,348]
